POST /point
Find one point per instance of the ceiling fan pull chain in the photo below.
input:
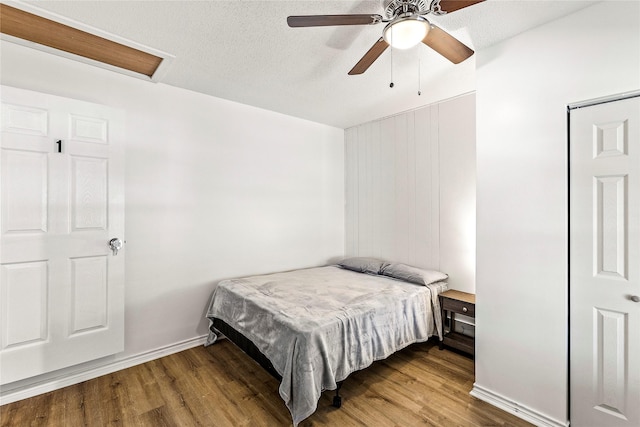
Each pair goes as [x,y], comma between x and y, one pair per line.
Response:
[419,75]
[391,84]
[391,46]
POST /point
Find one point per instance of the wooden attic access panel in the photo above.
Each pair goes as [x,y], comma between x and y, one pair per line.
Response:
[27,26]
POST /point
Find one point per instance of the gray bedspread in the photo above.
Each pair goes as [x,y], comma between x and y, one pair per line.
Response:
[318,325]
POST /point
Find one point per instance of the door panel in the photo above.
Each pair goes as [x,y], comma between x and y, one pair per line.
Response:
[62,288]
[610,362]
[89,129]
[610,213]
[89,193]
[24,303]
[604,264]
[25,120]
[89,294]
[25,176]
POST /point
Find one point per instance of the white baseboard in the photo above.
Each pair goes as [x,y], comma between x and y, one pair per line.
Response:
[515,408]
[51,384]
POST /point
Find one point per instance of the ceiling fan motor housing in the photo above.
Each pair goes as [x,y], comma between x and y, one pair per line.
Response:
[395,8]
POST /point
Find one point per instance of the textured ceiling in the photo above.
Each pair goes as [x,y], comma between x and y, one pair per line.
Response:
[245,52]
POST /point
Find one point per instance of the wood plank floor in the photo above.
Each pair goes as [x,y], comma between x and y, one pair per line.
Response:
[221,386]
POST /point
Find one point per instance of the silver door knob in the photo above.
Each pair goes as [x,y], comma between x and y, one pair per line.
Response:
[635,298]
[115,244]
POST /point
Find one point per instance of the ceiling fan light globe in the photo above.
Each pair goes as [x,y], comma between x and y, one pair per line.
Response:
[405,33]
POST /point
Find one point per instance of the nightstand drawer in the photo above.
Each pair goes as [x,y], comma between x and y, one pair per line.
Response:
[458,306]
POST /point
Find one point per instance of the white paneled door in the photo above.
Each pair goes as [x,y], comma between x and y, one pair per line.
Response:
[605,264]
[61,202]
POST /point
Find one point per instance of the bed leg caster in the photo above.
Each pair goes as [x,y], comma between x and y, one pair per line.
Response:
[337,401]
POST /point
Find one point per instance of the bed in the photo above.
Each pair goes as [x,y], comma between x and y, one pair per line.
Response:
[311,328]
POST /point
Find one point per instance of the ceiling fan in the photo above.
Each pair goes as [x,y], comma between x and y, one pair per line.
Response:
[406,27]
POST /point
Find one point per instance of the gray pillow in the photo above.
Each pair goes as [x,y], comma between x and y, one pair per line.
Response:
[363,264]
[413,274]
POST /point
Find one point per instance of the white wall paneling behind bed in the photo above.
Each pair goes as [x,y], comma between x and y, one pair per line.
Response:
[410,189]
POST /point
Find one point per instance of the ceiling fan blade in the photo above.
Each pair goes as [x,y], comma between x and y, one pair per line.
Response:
[326,20]
[447,45]
[369,57]
[449,6]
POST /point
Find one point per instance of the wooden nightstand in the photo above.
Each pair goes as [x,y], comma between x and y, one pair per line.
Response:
[461,303]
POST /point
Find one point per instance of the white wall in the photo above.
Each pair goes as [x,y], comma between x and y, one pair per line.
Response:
[214,189]
[523,87]
[410,189]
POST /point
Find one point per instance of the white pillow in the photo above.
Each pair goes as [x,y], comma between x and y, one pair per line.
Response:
[363,264]
[413,274]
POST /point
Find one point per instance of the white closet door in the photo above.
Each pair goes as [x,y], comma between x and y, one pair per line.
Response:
[605,265]
[61,287]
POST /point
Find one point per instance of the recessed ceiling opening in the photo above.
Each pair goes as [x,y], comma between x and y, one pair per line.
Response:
[21,25]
